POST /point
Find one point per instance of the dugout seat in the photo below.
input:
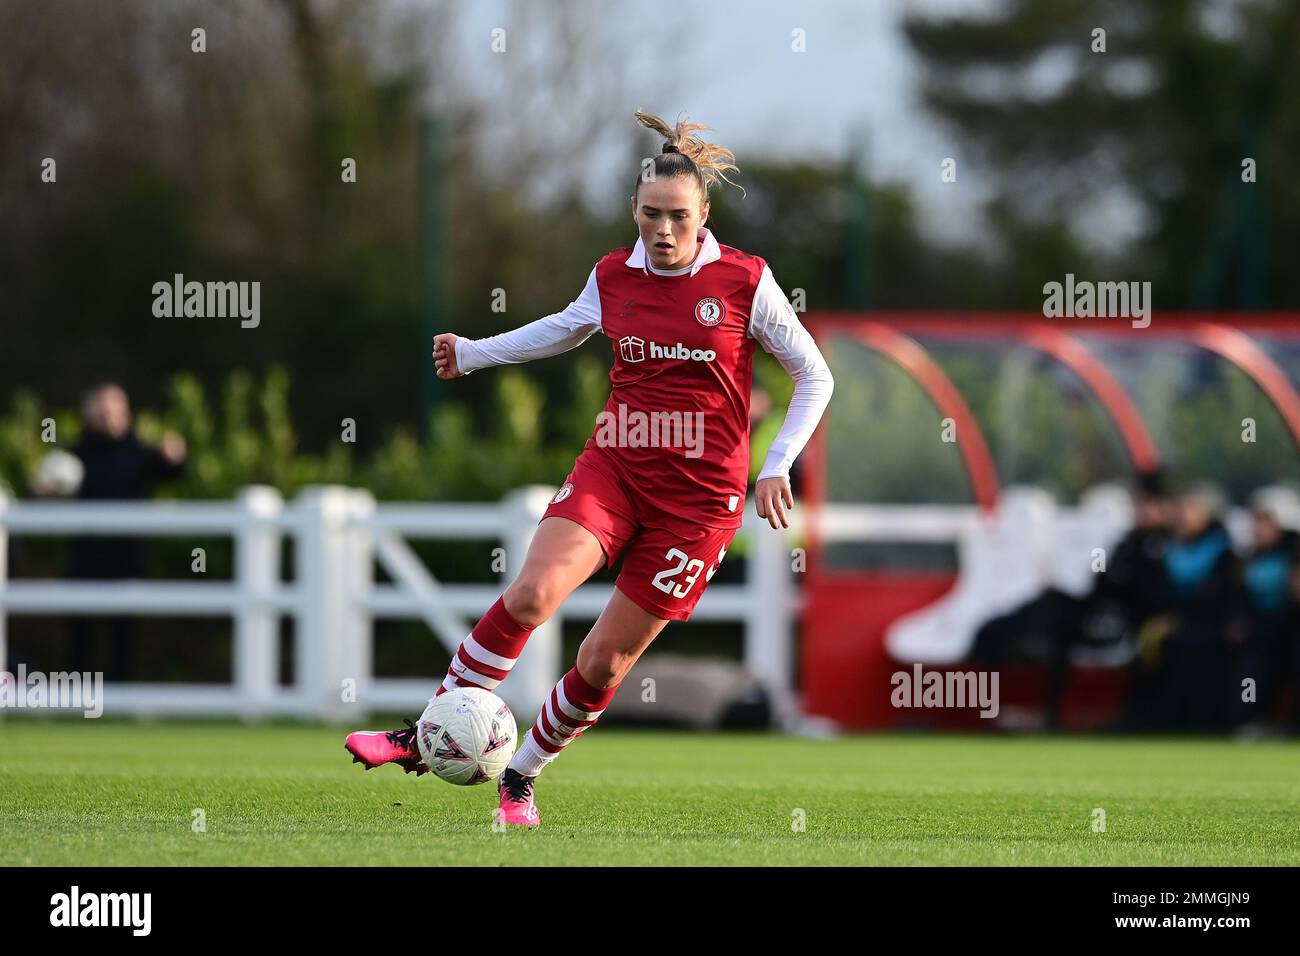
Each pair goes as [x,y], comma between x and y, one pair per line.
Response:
[1104,514]
[1004,559]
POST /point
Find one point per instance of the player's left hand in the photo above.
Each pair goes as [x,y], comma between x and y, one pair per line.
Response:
[770,494]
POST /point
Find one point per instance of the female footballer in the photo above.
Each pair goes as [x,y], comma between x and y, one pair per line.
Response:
[661,482]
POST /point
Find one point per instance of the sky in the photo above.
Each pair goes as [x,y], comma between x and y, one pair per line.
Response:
[737,73]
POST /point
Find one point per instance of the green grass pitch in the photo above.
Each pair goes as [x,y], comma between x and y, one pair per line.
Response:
[80,793]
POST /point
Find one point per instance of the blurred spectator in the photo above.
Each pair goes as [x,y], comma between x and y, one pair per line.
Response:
[1270,651]
[1192,647]
[115,464]
[1133,589]
[1133,594]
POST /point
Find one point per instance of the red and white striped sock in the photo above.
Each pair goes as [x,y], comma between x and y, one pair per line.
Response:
[574,705]
[485,657]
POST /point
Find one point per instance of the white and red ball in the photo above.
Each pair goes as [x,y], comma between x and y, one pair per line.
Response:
[467,736]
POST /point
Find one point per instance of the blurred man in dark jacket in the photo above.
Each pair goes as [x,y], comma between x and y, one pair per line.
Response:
[1133,589]
[1269,653]
[1208,619]
[1133,595]
[1135,586]
[116,466]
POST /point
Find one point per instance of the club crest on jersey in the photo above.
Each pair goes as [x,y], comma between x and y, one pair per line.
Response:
[710,311]
[565,490]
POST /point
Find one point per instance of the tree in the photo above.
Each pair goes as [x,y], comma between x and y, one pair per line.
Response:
[1160,122]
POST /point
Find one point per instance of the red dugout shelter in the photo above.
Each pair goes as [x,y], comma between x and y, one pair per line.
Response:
[844,668]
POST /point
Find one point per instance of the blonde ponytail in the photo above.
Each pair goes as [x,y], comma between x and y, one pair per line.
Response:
[710,161]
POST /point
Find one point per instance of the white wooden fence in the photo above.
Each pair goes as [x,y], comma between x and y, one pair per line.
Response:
[339,535]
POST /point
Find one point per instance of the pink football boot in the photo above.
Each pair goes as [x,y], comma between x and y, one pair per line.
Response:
[517,806]
[373,748]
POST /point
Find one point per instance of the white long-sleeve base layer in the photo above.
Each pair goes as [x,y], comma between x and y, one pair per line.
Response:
[773,324]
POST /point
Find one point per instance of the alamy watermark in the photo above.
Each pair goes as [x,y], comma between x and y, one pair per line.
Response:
[58,690]
[208,300]
[950,689]
[632,428]
[1084,299]
[132,911]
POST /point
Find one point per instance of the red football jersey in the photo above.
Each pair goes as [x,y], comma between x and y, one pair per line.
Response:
[676,425]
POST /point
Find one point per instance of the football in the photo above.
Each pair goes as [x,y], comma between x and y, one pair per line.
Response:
[467,736]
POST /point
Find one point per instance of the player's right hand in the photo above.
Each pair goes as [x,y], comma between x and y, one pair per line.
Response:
[444,355]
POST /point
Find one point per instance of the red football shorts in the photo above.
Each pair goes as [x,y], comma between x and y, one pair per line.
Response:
[667,562]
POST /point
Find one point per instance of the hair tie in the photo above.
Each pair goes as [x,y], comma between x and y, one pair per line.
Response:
[670,148]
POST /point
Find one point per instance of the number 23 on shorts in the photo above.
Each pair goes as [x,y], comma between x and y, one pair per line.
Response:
[683,562]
